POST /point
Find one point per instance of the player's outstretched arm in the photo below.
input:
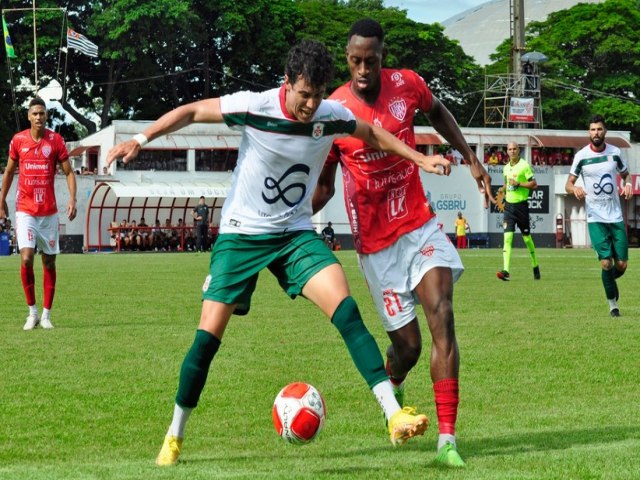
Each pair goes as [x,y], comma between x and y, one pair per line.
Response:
[203,111]
[380,139]
[445,124]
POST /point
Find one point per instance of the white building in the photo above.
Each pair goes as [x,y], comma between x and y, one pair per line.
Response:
[172,172]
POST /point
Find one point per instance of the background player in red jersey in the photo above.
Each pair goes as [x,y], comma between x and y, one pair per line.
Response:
[404,256]
[35,153]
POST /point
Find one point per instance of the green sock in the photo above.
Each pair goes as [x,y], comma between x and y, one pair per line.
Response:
[609,282]
[528,241]
[195,368]
[360,343]
[506,250]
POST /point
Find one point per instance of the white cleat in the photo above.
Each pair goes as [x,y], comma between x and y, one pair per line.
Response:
[46,323]
[32,322]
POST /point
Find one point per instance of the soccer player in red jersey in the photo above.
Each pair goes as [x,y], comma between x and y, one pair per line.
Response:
[35,153]
[404,256]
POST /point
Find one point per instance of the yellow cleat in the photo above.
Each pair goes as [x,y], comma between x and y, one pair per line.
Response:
[170,451]
[405,424]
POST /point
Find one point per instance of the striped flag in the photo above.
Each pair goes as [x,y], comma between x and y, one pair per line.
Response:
[8,46]
[81,43]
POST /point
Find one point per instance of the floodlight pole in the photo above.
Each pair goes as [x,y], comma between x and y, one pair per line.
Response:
[517,35]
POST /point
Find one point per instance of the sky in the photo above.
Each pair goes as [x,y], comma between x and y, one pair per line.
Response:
[430,11]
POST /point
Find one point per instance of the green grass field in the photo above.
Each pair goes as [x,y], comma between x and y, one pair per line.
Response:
[549,382]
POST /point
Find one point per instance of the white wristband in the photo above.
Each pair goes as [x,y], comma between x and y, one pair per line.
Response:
[141,139]
[628,183]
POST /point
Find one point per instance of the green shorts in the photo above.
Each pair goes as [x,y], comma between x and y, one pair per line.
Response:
[236,261]
[609,240]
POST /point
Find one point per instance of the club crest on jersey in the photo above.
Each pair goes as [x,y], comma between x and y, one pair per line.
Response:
[317,130]
[398,108]
[46,151]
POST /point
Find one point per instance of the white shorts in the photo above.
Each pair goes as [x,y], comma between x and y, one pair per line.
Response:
[392,274]
[40,231]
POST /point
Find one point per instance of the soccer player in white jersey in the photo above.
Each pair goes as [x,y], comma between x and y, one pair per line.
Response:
[36,153]
[598,165]
[406,259]
[266,223]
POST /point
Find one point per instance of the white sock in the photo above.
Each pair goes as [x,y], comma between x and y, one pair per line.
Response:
[387,400]
[33,309]
[46,312]
[444,438]
[180,417]
[612,303]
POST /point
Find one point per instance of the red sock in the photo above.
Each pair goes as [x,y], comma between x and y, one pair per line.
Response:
[447,399]
[28,284]
[49,287]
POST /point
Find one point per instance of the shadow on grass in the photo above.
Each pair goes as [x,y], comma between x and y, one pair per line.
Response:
[546,441]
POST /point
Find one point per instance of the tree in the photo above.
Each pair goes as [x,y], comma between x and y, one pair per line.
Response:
[448,71]
[593,66]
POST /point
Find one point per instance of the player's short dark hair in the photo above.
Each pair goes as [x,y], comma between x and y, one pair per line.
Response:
[312,61]
[37,101]
[598,119]
[367,27]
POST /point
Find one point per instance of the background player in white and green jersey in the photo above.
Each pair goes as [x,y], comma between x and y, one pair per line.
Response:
[598,165]
[518,181]
[266,223]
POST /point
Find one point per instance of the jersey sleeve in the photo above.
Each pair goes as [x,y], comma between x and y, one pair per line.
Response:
[63,153]
[234,108]
[621,163]
[425,97]
[14,148]
[528,173]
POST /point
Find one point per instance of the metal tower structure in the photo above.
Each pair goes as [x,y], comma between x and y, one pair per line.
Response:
[513,99]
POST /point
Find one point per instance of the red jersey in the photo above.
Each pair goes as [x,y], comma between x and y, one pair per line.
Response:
[37,163]
[383,193]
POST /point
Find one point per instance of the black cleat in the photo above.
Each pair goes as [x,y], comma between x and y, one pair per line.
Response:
[503,275]
[536,273]
[615,312]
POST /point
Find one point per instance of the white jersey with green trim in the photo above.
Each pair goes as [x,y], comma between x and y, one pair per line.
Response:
[279,161]
[599,171]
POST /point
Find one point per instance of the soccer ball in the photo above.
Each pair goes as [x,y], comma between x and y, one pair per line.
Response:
[298,413]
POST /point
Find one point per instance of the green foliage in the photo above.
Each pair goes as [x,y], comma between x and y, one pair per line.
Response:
[594,52]
[450,73]
[548,386]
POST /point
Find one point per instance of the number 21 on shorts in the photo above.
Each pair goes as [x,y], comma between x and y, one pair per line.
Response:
[391,302]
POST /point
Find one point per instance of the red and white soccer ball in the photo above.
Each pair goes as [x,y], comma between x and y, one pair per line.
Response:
[298,413]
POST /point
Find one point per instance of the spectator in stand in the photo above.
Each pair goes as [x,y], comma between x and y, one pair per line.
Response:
[157,237]
[189,237]
[170,238]
[201,214]
[179,231]
[493,158]
[329,235]
[145,234]
[135,240]
[123,233]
